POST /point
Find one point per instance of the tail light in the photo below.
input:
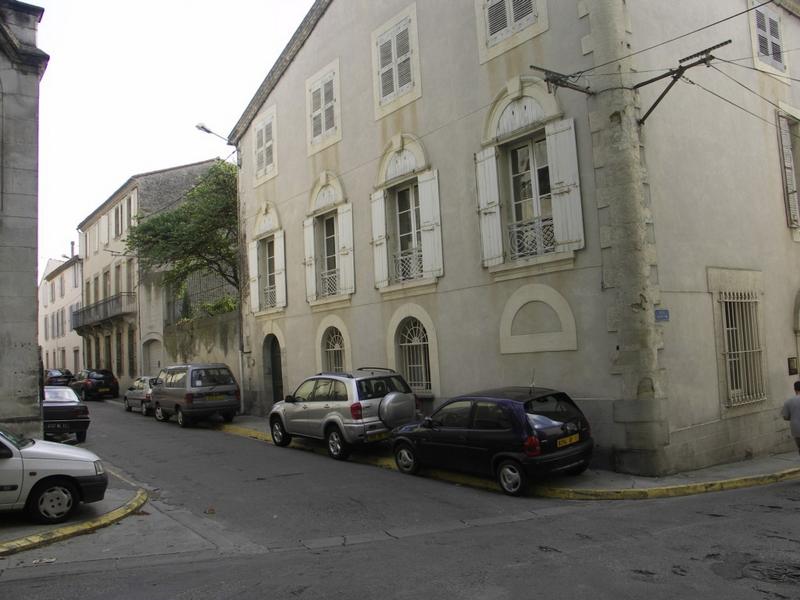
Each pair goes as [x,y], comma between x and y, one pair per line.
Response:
[188,398]
[355,411]
[532,447]
[238,396]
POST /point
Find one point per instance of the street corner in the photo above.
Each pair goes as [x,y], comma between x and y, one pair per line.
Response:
[28,537]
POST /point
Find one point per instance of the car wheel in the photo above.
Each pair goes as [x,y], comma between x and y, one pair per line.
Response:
[81,435]
[144,408]
[406,459]
[52,501]
[159,414]
[183,420]
[512,478]
[279,435]
[228,417]
[126,404]
[338,448]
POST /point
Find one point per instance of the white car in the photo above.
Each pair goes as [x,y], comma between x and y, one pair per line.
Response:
[46,479]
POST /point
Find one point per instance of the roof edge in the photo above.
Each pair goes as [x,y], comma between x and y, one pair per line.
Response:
[279,68]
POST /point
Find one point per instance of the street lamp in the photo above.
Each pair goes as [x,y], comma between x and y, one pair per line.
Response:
[202,127]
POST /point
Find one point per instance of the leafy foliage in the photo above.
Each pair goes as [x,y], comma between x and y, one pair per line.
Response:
[198,236]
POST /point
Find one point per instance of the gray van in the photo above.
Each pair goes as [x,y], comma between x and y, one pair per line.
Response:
[195,391]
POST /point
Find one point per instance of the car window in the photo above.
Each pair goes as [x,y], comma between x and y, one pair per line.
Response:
[62,394]
[303,393]
[339,392]
[211,376]
[491,416]
[454,415]
[378,387]
[322,391]
[550,410]
[178,379]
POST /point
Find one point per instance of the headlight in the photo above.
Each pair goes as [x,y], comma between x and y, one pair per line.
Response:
[98,467]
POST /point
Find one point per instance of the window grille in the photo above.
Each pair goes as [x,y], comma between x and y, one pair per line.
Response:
[531,238]
[414,354]
[333,346]
[742,347]
[408,264]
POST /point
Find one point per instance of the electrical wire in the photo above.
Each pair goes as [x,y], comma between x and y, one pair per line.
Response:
[578,74]
[749,89]
[731,102]
[749,68]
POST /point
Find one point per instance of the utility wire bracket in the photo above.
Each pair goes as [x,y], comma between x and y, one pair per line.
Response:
[554,79]
[704,57]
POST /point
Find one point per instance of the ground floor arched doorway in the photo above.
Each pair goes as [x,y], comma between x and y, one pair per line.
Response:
[273,375]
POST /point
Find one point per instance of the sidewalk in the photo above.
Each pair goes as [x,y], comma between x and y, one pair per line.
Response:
[17,534]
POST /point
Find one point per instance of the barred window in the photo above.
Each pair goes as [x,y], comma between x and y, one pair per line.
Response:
[742,347]
[415,362]
[333,350]
[132,351]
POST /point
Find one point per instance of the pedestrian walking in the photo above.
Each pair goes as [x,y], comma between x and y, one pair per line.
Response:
[791,413]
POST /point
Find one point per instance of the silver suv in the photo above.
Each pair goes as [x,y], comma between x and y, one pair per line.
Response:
[344,409]
[195,391]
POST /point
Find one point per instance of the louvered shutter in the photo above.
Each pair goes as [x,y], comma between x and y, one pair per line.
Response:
[521,9]
[280,269]
[327,93]
[386,65]
[489,206]
[316,112]
[344,215]
[252,270]
[379,247]
[403,58]
[430,225]
[268,155]
[104,229]
[496,17]
[308,245]
[565,185]
[789,174]
[768,34]
[260,156]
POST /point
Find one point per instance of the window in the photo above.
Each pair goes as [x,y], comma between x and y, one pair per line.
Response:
[46,328]
[305,391]
[106,352]
[454,415]
[128,212]
[52,291]
[118,220]
[264,146]
[97,364]
[537,178]
[76,276]
[742,350]
[129,273]
[118,365]
[322,104]
[412,341]
[117,279]
[333,350]
[106,284]
[267,279]
[395,59]
[61,285]
[767,34]
[790,150]
[408,233]
[491,416]
[88,353]
[76,353]
[505,24]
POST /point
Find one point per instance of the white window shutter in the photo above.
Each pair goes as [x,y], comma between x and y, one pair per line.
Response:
[252,269]
[280,269]
[565,186]
[311,273]
[104,229]
[789,175]
[431,223]
[379,249]
[344,215]
[489,206]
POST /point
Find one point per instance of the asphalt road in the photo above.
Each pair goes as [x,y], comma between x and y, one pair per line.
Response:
[237,518]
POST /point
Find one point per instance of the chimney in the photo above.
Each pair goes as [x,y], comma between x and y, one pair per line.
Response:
[71,249]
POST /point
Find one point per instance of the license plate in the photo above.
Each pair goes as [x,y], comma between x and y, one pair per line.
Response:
[215,397]
[103,389]
[376,437]
[57,426]
[566,441]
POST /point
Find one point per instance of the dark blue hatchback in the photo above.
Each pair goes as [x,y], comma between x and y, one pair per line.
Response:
[512,433]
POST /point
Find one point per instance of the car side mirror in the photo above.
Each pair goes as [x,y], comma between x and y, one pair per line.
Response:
[289,398]
[158,382]
[427,423]
[5,451]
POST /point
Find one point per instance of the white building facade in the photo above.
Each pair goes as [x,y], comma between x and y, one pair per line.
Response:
[60,295]
[451,214]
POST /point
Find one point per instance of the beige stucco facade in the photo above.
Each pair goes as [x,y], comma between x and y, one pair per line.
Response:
[646,260]
[60,294]
[21,67]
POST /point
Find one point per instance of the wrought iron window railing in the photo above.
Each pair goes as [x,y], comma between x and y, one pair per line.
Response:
[328,283]
[408,264]
[270,297]
[114,306]
[531,238]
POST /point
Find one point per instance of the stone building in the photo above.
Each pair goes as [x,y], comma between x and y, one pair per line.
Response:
[415,194]
[113,314]
[22,65]
[60,296]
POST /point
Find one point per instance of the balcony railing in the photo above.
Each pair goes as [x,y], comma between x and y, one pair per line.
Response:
[109,308]
[531,238]
[328,283]
[270,297]
[408,264]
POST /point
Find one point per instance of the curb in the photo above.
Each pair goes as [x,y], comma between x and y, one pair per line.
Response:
[563,493]
[62,533]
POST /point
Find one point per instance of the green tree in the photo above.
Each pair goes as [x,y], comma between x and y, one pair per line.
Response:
[200,235]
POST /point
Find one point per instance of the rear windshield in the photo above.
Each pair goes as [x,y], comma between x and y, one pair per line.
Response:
[55,373]
[212,376]
[550,410]
[60,395]
[378,387]
[100,375]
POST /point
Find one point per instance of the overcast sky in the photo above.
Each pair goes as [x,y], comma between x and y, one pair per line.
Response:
[128,81]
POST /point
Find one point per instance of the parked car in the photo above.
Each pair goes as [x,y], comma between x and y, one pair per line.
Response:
[57,377]
[63,412]
[138,394]
[47,480]
[344,409]
[195,391]
[512,433]
[92,384]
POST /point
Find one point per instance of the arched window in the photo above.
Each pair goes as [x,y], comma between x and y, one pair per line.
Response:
[412,341]
[333,350]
